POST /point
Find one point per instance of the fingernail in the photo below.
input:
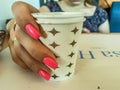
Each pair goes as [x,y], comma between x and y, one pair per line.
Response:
[50,62]
[44,74]
[32,31]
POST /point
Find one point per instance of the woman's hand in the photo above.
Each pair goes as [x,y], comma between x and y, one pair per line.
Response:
[26,49]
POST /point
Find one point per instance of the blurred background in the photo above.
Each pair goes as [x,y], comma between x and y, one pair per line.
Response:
[111,6]
[5,10]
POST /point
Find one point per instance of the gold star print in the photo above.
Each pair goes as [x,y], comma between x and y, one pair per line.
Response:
[55,76]
[71,55]
[73,43]
[54,45]
[70,64]
[68,74]
[75,30]
[54,31]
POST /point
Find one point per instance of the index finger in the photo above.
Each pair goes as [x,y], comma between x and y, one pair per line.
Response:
[22,12]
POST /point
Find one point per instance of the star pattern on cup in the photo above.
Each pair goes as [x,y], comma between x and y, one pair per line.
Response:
[54,45]
[73,43]
[54,31]
[75,30]
[68,74]
[71,54]
[55,76]
[70,64]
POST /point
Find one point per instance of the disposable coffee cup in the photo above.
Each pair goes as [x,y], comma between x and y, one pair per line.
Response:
[63,31]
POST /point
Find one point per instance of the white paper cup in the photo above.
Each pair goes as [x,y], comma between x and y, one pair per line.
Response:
[63,32]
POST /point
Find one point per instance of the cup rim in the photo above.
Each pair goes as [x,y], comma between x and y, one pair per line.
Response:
[58,15]
[60,21]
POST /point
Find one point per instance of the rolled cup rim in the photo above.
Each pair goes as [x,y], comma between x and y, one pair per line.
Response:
[59,17]
[58,14]
[60,21]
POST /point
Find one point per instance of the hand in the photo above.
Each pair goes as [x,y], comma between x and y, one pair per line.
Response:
[26,50]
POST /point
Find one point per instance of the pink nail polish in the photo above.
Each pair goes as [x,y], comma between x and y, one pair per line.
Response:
[44,74]
[50,62]
[32,31]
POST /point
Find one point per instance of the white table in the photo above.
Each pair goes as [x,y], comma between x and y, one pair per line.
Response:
[98,68]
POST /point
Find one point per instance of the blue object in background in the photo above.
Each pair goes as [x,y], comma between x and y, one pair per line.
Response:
[115,17]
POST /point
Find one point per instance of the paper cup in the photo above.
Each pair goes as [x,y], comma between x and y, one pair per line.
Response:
[63,33]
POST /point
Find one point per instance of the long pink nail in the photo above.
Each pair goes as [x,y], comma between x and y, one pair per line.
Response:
[44,74]
[50,62]
[32,31]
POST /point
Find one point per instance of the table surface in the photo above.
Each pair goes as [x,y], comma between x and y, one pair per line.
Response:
[97,68]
